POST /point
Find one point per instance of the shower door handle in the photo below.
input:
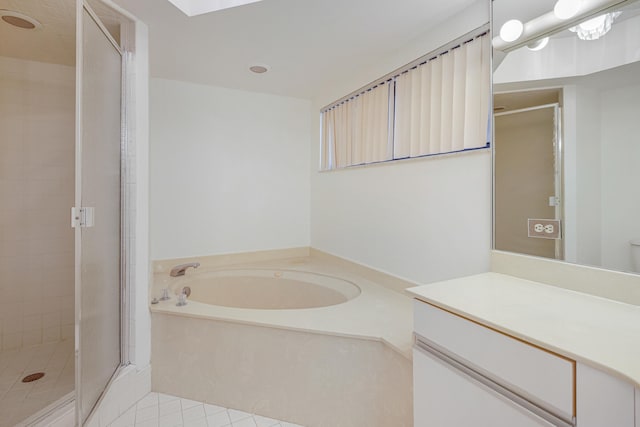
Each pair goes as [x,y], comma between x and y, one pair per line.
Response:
[83,217]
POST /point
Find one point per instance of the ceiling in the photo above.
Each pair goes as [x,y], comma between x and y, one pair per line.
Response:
[55,42]
[306,43]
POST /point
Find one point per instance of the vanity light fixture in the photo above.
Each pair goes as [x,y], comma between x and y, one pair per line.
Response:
[538,44]
[511,30]
[514,35]
[596,27]
[565,9]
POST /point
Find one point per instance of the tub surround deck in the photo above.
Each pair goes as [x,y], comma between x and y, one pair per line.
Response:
[306,378]
[590,329]
[290,364]
[378,313]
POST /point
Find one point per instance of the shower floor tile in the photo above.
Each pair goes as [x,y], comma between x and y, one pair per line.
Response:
[160,410]
[20,400]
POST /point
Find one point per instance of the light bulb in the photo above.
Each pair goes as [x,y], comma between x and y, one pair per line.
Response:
[538,44]
[565,9]
[511,30]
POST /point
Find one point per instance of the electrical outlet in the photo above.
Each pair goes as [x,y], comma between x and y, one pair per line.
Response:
[544,228]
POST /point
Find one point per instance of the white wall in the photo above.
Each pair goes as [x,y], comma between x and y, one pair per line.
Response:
[140,318]
[37,107]
[602,198]
[588,186]
[620,127]
[229,170]
[423,220]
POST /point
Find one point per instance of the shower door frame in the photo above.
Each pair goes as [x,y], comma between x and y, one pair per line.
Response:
[558,170]
[125,221]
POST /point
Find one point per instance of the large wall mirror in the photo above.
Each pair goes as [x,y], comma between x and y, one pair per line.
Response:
[567,130]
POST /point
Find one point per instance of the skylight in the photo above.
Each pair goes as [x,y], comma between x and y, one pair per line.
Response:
[199,7]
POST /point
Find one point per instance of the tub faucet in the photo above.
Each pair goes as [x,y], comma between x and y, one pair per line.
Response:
[179,270]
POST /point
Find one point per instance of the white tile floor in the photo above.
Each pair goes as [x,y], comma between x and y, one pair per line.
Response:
[163,410]
[20,400]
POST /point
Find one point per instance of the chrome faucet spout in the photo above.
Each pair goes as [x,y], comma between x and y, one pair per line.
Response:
[180,270]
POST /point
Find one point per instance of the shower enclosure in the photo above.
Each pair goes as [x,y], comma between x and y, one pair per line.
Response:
[98,209]
[528,171]
[62,245]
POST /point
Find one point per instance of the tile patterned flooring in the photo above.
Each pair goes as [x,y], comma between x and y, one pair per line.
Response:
[163,410]
[20,400]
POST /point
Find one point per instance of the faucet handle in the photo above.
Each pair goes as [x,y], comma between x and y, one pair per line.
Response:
[182,299]
[165,294]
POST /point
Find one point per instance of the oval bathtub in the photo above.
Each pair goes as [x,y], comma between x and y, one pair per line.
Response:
[268,289]
[285,338]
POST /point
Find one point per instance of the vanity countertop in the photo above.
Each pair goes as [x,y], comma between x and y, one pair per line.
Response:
[596,331]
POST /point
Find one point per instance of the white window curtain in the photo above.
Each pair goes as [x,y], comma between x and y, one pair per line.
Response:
[438,106]
[327,158]
[356,131]
[442,105]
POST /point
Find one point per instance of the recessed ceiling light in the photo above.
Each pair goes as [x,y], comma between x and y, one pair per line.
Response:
[19,20]
[511,30]
[259,69]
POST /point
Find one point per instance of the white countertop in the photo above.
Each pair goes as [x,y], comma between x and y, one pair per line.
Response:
[596,331]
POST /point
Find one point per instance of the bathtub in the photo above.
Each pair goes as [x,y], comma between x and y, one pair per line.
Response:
[267,289]
[311,340]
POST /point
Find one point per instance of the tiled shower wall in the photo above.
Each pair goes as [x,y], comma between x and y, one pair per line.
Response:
[37,103]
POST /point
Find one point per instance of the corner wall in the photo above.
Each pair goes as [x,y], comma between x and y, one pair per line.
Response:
[601,176]
[229,170]
[423,220]
[620,110]
[37,110]
[582,175]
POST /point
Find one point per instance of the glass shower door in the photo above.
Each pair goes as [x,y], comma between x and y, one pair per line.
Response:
[527,178]
[98,222]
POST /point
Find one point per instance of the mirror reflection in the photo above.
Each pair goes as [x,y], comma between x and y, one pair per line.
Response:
[567,130]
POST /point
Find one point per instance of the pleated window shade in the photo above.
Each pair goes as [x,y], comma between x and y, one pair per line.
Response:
[439,106]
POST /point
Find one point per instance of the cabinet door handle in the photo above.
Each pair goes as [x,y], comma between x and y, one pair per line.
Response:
[429,349]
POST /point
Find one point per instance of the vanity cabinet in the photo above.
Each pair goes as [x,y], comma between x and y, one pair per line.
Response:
[604,400]
[446,396]
[466,373]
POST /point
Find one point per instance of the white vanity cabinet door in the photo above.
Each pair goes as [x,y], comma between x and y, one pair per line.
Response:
[446,397]
[604,400]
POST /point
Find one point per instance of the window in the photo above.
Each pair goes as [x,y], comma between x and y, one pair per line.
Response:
[437,104]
